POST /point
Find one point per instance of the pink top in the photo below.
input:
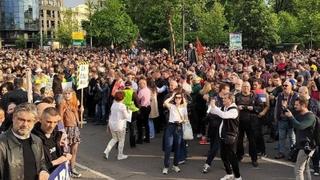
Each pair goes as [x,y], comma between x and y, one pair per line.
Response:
[144,96]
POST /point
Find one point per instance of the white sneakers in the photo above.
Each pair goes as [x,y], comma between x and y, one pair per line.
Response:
[227,177]
[174,168]
[206,168]
[165,171]
[106,155]
[230,177]
[122,157]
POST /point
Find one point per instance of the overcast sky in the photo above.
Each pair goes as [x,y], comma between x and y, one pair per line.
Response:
[73,3]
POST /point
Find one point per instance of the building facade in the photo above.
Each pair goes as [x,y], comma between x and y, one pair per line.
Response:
[18,19]
[50,15]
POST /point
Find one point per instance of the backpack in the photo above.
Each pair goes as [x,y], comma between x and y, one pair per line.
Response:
[316,131]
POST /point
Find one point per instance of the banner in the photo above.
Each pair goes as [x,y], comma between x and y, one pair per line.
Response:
[235,41]
[83,75]
[60,173]
[77,36]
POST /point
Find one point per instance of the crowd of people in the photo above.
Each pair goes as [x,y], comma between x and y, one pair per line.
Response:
[225,95]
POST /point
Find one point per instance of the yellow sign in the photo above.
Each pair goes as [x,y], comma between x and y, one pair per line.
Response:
[77,36]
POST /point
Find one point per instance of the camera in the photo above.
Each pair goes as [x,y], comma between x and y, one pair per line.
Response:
[307,149]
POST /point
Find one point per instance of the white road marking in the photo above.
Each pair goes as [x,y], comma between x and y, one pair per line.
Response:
[94,172]
[189,158]
[278,162]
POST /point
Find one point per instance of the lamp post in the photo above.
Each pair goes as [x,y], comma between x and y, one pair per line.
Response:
[183,26]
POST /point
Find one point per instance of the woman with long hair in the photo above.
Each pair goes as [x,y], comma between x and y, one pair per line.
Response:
[178,114]
[69,112]
[117,124]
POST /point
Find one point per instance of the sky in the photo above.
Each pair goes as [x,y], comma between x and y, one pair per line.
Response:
[73,3]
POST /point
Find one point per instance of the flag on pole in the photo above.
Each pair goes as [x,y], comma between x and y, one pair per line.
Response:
[199,47]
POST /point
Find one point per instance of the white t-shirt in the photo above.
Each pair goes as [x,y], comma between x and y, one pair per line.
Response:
[174,114]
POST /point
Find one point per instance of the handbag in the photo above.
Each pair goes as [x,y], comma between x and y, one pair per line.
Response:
[187,131]
[186,128]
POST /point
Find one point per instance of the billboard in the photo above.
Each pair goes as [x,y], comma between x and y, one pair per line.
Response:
[235,40]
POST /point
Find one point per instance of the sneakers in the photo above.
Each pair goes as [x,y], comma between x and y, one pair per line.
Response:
[176,169]
[165,171]
[106,155]
[122,157]
[239,178]
[316,172]
[203,141]
[228,177]
[254,163]
[75,173]
[206,168]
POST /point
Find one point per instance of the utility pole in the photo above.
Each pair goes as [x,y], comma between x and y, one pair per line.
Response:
[183,26]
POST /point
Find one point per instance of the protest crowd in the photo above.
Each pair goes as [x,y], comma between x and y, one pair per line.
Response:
[223,95]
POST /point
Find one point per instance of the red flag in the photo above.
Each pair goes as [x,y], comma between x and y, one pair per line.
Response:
[199,47]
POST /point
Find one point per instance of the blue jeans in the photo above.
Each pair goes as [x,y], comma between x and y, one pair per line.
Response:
[285,130]
[100,113]
[172,141]
[183,151]
[151,127]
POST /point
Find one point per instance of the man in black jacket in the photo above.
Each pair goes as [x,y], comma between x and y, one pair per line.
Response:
[228,131]
[51,138]
[21,153]
[249,108]
[214,123]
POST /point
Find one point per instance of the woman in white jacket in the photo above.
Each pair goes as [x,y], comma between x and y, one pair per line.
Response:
[117,124]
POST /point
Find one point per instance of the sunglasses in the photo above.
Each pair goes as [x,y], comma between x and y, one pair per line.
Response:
[178,97]
[285,85]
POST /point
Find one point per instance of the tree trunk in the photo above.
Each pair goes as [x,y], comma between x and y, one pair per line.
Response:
[172,37]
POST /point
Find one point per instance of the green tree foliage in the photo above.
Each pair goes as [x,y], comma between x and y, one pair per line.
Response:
[111,24]
[258,25]
[289,27]
[213,26]
[20,42]
[67,25]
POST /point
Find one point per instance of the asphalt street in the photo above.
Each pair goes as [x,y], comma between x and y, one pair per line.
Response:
[145,162]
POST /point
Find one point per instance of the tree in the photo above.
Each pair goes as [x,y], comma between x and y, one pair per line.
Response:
[20,42]
[289,27]
[111,24]
[258,25]
[67,25]
[213,26]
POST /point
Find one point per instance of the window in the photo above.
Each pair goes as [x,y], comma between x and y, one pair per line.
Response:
[48,13]
[41,13]
[52,24]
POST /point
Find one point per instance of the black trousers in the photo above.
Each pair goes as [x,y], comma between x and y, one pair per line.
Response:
[133,129]
[142,122]
[214,145]
[259,137]
[229,158]
[246,127]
